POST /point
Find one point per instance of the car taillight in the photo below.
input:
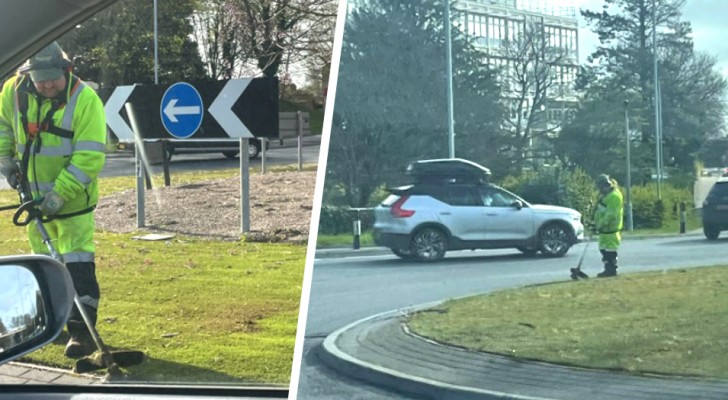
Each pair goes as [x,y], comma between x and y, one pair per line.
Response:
[398,212]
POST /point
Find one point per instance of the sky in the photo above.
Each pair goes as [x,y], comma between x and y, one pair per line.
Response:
[707,18]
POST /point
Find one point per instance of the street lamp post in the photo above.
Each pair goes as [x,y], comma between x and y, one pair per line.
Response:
[628,203]
[448,46]
[658,132]
[156,46]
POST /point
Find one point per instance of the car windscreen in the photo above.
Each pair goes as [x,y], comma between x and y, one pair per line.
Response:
[719,190]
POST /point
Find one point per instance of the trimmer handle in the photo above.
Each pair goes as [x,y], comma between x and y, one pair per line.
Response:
[30,210]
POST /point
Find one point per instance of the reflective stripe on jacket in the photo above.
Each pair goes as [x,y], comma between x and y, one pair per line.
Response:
[68,165]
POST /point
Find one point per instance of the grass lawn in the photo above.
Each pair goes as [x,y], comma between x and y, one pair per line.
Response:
[693,222]
[203,311]
[344,240]
[670,322]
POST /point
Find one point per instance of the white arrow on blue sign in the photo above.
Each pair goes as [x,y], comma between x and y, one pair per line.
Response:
[181,110]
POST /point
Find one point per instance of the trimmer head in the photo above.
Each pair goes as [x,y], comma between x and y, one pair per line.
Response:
[577,273]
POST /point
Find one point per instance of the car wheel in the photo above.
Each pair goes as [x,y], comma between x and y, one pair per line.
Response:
[428,244]
[527,251]
[230,154]
[403,253]
[253,148]
[711,232]
[554,240]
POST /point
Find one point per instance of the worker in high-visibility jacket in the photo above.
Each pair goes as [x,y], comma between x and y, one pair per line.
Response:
[53,131]
[608,222]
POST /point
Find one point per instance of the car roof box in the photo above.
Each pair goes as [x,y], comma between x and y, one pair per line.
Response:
[451,169]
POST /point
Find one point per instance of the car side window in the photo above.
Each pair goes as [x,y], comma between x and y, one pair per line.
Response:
[435,191]
[493,197]
[463,196]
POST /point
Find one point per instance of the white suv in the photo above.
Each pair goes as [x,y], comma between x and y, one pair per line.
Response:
[462,211]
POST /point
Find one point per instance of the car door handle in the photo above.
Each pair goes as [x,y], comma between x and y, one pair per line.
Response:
[491,214]
[445,213]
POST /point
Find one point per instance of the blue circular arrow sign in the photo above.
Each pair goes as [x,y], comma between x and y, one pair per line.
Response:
[181,110]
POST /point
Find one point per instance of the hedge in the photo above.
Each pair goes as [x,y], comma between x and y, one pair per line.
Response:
[336,220]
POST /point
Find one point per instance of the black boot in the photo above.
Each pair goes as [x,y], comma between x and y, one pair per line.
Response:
[83,275]
[610,264]
[81,343]
[608,272]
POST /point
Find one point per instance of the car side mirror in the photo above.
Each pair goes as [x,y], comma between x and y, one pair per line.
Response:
[517,204]
[35,303]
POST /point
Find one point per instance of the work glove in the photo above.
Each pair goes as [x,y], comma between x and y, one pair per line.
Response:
[51,204]
[9,169]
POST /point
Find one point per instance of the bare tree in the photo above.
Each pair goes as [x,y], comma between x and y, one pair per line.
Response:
[252,37]
[216,33]
[533,78]
[313,47]
[284,31]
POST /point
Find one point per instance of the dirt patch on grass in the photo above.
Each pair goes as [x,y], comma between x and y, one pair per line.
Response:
[280,208]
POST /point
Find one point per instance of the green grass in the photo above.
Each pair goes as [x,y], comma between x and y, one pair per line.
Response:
[662,322]
[203,311]
[344,240]
[316,121]
[693,221]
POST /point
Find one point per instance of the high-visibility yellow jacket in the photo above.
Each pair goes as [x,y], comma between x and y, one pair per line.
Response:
[67,153]
[609,219]
[610,215]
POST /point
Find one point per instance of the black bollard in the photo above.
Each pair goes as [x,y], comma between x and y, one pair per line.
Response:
[357,232]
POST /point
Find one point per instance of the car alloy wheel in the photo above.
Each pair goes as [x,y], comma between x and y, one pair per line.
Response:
[429,244]
[555,240]
[253,149]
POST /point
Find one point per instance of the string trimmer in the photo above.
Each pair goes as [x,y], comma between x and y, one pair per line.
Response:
[577,273]
[103,358]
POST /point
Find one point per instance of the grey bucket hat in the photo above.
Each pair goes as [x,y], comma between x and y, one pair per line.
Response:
[604,180]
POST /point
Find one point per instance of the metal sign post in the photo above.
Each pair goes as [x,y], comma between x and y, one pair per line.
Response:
[138,163]
[263,146]
[299,133]
[244,187]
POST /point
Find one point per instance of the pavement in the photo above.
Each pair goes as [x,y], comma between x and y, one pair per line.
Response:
[382,351]
[16,373]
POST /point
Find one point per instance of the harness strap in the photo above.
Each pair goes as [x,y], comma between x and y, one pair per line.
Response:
[73,214]
[59,131]
[47,125]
